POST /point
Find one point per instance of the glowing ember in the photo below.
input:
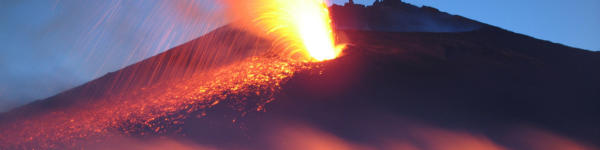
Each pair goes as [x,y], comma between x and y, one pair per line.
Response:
[300,25]
[151,110]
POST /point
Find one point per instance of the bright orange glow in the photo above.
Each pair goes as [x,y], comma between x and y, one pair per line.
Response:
[301,25]
[314,26]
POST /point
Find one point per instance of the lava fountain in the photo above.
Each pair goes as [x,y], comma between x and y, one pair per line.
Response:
[300,28]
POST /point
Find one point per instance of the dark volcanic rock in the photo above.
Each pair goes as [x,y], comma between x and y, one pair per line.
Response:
[399,17]
[485,81]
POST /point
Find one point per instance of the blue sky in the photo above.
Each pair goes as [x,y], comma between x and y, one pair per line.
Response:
[49,46]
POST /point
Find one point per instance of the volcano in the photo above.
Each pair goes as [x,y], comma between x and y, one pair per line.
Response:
[409,78]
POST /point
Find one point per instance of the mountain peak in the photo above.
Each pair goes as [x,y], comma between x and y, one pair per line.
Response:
[397,16]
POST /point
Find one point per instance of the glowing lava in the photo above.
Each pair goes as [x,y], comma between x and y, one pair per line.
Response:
[298,26]
[312,21]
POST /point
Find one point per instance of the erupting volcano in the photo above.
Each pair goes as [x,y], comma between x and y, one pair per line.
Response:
[276,78]
[300,30]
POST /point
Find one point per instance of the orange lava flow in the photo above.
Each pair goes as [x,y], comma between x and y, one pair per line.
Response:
[138,112]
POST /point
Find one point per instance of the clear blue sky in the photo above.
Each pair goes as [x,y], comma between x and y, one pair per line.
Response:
[574,23]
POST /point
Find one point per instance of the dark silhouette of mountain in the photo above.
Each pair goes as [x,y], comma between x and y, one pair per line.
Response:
[482,80]
[396,16]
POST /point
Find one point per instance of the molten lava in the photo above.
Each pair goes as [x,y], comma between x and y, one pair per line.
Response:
[311,21]
[301,28]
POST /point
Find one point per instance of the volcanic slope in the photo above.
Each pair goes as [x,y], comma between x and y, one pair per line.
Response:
[489,81]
